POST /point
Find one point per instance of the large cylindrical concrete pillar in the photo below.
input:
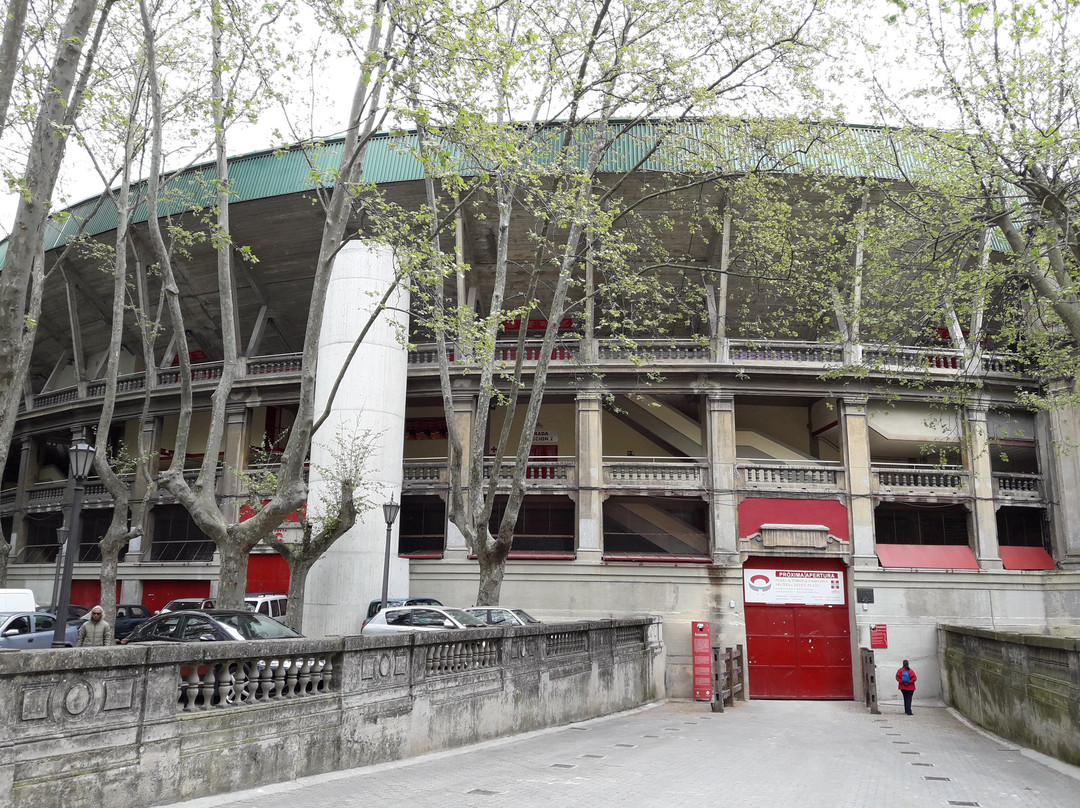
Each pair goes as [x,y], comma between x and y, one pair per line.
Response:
[371,397]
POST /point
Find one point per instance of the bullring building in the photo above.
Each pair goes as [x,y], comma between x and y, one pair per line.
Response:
[774,483]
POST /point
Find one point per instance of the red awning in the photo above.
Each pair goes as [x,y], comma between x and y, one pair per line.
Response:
[927,556]
[1026,558]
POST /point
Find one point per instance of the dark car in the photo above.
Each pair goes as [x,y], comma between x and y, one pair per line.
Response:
[373,607]
[216,625]
[75,613]
[129,616]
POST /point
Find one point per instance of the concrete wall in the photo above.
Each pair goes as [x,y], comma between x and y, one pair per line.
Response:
[1023,687]
[148,724]
[911,603]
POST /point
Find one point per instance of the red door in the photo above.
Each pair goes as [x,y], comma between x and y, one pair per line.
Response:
[537,468]
[797,650]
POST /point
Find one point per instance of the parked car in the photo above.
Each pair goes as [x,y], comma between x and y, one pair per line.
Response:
[76,613]
[502,616]
[128,617]
[215,625]
[32,630]
[420,618]
[180,604]
[272,604]
[373,607]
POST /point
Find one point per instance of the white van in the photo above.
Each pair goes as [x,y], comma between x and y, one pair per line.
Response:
[272,604]
[17,600]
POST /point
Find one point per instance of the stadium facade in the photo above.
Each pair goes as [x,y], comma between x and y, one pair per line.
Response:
[750,483]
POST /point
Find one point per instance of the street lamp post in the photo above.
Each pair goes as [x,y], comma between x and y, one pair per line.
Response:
[61,542]
[390,512]
[81,457]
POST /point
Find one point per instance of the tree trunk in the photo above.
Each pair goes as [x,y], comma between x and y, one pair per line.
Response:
[492,571]
[45,156]
[5,554]
[109,561]
[298,573]
[232,578]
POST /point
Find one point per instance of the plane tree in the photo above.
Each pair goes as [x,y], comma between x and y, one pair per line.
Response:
[531,125]
[45,70]
[994,116]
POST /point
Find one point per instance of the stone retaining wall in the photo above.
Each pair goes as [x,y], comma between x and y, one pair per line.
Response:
[1024,687]
[155,723]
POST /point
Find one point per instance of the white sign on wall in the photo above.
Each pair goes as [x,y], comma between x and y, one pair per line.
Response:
[804,587]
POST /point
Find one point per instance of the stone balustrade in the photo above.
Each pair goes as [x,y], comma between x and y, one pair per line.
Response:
[141,725]
[760,475]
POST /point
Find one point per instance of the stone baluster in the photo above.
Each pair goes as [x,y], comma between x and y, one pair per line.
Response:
[266,676]
[240,684]
[189,689]
[224,685]
[292,675]
[279,680]
[304,680]
[207,689]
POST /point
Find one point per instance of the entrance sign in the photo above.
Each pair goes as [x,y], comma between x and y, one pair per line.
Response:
[701,636]
[803,587]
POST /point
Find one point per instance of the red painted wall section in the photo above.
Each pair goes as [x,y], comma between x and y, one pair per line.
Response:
[757,511]
[267,572]
[157,593]
[88,593]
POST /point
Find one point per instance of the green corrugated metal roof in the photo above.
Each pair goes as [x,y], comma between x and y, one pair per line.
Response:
[845,151]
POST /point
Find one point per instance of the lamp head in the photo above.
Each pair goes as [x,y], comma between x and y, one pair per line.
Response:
[390,511]
[81,456]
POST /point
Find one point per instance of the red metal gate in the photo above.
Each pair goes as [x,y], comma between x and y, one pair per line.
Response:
[798,638]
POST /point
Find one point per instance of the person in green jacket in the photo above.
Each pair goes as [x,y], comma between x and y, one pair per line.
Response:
[96,630]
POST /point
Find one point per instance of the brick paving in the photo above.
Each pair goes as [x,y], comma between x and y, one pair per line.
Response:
[792,754]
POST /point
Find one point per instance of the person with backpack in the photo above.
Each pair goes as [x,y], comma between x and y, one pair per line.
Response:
[905,678]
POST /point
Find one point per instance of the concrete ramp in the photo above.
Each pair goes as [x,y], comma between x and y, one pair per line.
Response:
[669,533]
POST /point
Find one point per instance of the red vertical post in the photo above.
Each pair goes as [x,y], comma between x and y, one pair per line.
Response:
[701,637]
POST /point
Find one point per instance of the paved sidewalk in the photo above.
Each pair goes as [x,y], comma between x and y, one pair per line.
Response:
[792,754]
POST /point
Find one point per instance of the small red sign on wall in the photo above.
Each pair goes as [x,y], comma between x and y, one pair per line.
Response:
[879,636]
[701,636]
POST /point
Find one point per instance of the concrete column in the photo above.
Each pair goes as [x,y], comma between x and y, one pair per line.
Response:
[371,397]
[465,418]
[720,436]
[17,539]
[237,421]
[1062,475]
[590,477]
[983,512]
[856,436]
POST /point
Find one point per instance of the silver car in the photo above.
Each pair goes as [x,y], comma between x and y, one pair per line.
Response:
[32,630]
[420,618]
[503,616]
